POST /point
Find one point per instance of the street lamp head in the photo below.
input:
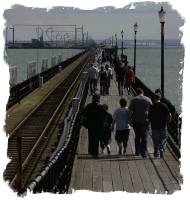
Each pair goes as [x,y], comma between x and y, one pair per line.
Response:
[162,15]
[135,27]
[122,33]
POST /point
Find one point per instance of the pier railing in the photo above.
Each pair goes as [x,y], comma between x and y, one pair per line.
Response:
[174,128]
[56,173]
[22,89]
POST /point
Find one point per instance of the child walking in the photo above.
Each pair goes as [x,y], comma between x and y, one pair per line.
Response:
[121,118]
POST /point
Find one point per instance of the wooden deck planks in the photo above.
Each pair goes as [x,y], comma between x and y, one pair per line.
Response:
[107,178]
[116,176]
[78,183]
[97,176]
[87,176]
[125,173]
[126,178]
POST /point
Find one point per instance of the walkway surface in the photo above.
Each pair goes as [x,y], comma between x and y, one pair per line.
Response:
[128,173]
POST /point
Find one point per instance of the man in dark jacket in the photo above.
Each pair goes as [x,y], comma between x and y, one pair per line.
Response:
[170,106]
[94,114]
[120,78]
[159,115]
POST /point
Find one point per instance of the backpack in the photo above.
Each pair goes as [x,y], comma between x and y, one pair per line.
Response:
[105,122]
[93,118]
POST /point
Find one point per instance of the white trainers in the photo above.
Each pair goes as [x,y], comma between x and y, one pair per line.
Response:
[108,150]
[161,153]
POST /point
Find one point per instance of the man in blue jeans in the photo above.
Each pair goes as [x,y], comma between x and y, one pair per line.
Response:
[159,115]
[138,117]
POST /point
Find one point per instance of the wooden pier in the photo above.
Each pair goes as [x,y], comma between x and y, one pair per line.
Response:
[107,173]
[129,173]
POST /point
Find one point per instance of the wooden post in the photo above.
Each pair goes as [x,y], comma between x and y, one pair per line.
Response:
[19,164]
[40,82]
[75,105]
[84,77]
[60,68]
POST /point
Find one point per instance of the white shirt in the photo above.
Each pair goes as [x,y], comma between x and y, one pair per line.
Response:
[92,72]
[109,72]
[121,117]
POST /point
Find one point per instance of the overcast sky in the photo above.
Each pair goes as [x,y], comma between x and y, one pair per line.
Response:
[102,22]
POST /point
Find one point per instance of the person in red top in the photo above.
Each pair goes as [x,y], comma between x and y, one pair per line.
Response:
[129,78]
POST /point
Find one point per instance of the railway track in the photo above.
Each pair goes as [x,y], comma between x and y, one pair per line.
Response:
[36,126]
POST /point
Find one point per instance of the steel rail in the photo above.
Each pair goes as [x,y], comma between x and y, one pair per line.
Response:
[35,108]
[49,123]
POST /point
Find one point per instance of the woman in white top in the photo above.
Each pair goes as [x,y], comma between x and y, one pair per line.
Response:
[109,73]
[121,118]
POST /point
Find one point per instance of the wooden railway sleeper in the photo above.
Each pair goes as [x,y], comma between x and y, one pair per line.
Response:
[69,157]
[35,146]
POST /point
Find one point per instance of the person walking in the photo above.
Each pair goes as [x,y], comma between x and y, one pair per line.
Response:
[103,81]
[159,115]
[99,60]
[104,56]
[121,118]
[105,138]
[94,114]
[138,115]
[109,74]
[93,75]
[171,107]
[129,78]
[111,60]
[120,78]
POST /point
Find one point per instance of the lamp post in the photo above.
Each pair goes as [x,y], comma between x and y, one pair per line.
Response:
[135,30]
[162,18]
[115,40]
[115,49]
[122,41]
[112,42]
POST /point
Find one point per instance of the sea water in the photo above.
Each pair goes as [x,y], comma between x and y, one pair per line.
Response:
[21,57]
[148,66]
[148,69]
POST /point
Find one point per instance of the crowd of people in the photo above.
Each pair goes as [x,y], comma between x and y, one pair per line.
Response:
[140,114]
[103,74]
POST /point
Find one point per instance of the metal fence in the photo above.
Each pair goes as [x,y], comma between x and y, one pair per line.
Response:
[55,175]
[13,75]
[31,69]
[22,89]
[44,64]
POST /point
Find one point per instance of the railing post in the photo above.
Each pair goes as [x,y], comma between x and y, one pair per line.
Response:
[75,105]
[19,164]
[60,69]
[40,82]
[84,77]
